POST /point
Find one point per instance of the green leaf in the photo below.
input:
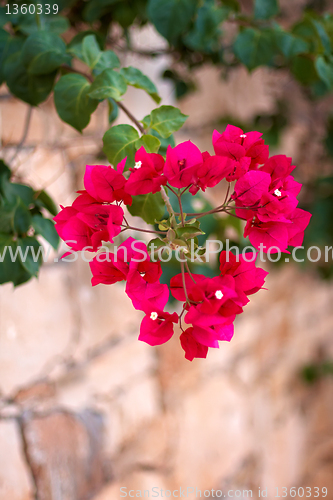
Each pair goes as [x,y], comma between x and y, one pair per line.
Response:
[51,24]
[87,47]
[78,39]
[32,89]
[147,206]
[157,242]
[108,84]
[22,219]
[113,110]
[189,231]
[5,174]
[170,141]
[171,18]
[72,101]
[149,142]
[32,259]
[307,30]
[15,215]
[90,51]
[45,227]
[8,45]
[231,4]
[96,59]
[205,34]
[95,9]
[329,136]
[254,48]
[12,191]
[3,16]
[325,70]
[137,79]
[324,38]
[166,120]
[124,13]
[4,39]
[290,45]
[43,200]
[119,142]
[108,60]
[304,70]
[7,214]
[146,122]
[75,45]
[11,270]
[264,9]
[43,52]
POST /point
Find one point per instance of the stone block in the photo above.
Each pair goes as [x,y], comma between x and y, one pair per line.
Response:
[65,452]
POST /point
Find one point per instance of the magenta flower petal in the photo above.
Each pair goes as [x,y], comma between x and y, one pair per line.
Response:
[272,236]
[251,186]
[192,348]
[181,164]
[157,327]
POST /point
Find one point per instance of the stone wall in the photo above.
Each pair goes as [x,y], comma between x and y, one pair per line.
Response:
[86,409]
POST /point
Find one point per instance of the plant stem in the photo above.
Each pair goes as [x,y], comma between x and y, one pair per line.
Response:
[233,215]
[167,203]
[120,104]
[171,189]
[181,207]
[183,278]
[131,117]
[189,272]
[180,319]
[220,209]
[142,230]
[227,194]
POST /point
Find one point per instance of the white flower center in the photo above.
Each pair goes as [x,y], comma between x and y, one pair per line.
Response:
[154,316]
[137,164]
[243,136]
[277,192]
[218,294]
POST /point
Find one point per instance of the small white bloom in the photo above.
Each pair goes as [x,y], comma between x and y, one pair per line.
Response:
[218,294]
[154,316]
[137,164]
[277,192]
[243,136]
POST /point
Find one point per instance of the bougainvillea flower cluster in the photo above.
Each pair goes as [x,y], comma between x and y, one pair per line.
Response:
[260,191]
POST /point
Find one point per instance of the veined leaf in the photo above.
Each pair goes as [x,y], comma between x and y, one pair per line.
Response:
[149,142]
[45,227]
[148,206]
[254,48]
[171,17]
[119,142]
[43,52]
[166,120]
[108,84]
[136,78]
[72,100]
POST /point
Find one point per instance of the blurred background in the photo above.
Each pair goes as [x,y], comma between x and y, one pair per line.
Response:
[85,408]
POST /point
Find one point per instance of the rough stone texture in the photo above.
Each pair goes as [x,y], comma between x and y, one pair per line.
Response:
[26,331]
[15,480]
[65,455]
